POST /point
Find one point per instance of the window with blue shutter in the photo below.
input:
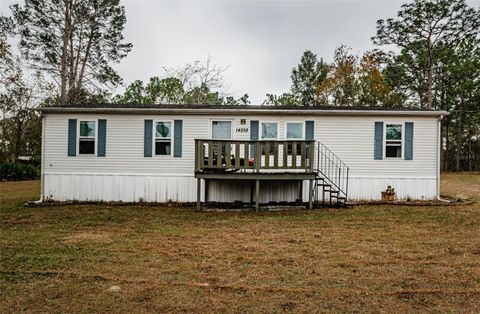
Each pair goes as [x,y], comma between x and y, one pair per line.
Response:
[102,137]
[72,137]
[408,140]
[309,130]
[177,142]
[147,138]
[378,141]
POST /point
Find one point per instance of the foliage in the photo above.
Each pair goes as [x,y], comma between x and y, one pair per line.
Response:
[6,59]
[286,99]
[74,42]
[389,190]
[305,77]
[20,126]
[347,81]
[458,91]
[423,31]
[193,83]
[373,87]
[18,171]
[434,64]
[438,67]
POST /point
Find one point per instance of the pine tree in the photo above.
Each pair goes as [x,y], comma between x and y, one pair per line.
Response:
[424,30]
[75,42]
[306,77]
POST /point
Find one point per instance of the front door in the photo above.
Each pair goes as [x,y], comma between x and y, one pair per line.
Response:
[221,130]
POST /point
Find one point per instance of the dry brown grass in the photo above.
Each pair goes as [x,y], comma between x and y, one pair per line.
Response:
[461,184]
[363,259]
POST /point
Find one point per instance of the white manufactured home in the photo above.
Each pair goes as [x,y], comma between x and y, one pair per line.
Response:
[253,154]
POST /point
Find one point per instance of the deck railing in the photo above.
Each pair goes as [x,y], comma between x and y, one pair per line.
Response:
[248,155]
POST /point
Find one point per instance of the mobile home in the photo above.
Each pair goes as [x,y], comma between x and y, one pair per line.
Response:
[257,154]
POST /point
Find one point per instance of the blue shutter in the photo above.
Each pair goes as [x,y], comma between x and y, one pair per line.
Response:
[378,150]
[147,143]
[253,134]
[102,137]
[408,140]
[309,130]
[72,137]
[177,138]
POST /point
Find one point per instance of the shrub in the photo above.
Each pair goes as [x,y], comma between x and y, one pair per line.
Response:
[18,171]
[460,198]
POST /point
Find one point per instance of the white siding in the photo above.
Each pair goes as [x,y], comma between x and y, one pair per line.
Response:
[126,175]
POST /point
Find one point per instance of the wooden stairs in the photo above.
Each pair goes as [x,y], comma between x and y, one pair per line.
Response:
[331,179]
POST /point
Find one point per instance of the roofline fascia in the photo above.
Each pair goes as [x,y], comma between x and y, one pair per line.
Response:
[193,111]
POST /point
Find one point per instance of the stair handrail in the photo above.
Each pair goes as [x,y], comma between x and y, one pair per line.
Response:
[332,168]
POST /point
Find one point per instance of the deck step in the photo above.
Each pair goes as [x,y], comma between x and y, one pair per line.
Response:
[324,185]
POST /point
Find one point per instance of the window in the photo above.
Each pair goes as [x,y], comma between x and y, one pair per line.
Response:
[393,140]
[222,130]
[86,140]
[269,130]
[294,132]
[163,138]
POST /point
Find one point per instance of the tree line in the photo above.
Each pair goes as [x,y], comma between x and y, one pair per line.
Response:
[428,56]
[434,64]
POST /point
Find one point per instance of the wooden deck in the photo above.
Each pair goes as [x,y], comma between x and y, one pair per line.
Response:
[254,161]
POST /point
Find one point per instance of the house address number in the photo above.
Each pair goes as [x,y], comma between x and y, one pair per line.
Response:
[241,130]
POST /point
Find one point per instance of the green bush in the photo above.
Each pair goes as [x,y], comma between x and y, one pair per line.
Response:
[18,171]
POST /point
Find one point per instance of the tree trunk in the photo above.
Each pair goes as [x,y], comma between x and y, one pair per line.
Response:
[78,84]
[443,128]
[447,144]
[429,75]
[63,74]
[18,140]
[459,133]
[470,153]
[430,87]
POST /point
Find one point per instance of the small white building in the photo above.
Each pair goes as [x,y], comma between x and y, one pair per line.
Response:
[176,153]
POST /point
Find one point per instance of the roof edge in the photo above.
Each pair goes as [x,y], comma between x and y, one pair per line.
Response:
[274,111]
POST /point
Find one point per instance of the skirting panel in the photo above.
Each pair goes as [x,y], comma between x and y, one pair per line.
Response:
[371,188]
[120,188]
[150,188]
[242,190]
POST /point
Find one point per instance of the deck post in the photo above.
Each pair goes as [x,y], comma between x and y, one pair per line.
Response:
[257,194]
[310,194]
[199,186]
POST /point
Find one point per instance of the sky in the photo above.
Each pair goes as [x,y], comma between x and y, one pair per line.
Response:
[259,41]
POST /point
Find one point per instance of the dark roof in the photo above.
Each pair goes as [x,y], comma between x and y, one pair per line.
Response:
[235,107]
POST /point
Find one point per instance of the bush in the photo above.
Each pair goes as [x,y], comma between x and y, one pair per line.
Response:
[18,171]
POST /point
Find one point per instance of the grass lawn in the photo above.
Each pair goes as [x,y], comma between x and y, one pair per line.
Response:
[362,259]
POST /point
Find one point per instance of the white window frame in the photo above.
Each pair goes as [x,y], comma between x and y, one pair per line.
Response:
[286,130]
[154,138]
[402,141]
[95,137]
[210,130]
[260,130]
